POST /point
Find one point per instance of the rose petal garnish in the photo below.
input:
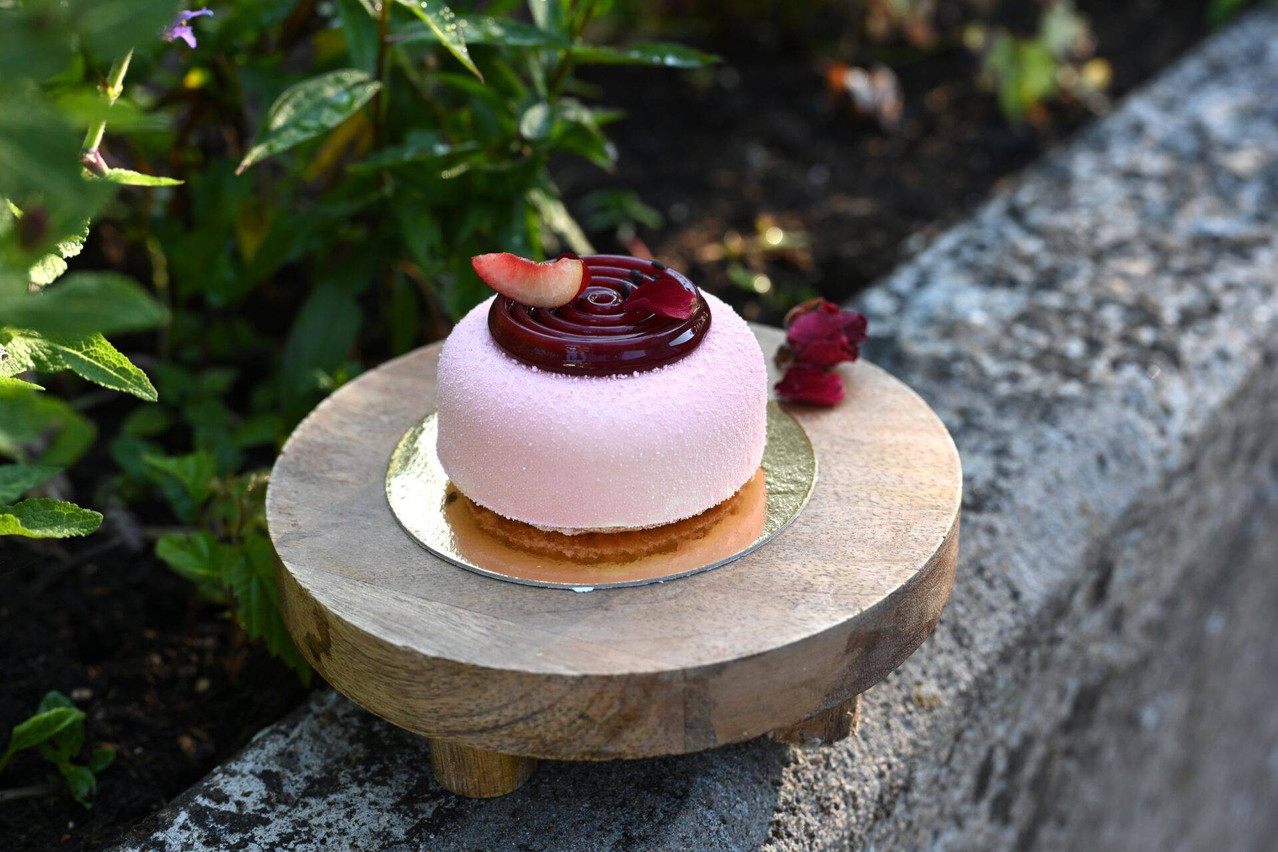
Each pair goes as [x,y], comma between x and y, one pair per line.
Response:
[664,297]
[813,385]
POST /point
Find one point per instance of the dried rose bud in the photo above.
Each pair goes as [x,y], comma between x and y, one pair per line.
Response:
[813,385]
[825,335]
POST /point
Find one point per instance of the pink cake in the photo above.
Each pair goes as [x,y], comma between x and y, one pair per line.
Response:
[601,414]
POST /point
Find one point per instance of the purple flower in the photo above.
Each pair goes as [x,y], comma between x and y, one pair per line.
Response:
[181,27]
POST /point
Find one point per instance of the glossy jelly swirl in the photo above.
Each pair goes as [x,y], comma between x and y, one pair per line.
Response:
[594,335]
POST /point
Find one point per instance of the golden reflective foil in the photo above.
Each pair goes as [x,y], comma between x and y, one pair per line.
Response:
[447,524]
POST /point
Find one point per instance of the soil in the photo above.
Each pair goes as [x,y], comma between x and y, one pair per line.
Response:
[159,675]
[162,676]
[760,138]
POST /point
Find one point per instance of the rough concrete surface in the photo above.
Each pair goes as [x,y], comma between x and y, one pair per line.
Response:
[1101,340]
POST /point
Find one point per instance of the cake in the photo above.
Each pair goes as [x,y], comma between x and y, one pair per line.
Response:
[599,394]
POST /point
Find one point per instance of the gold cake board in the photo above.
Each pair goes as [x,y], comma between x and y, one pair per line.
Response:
[496,674]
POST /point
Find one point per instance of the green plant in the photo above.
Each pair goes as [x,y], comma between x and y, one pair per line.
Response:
[621,211]
[414,139]
[335,165]
[50,323]
[57,730]
[1026,72]
[229,558]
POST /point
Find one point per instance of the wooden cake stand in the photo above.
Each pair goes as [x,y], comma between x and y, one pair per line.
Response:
[496,674]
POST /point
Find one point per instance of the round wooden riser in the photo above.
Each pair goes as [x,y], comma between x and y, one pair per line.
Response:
[497,674]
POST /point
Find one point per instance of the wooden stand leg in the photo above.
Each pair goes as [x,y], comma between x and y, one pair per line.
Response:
[824,728]
[476,773]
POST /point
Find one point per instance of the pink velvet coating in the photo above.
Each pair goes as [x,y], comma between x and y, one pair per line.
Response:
[598,452]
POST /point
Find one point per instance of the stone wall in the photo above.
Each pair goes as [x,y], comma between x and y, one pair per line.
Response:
[1101,339]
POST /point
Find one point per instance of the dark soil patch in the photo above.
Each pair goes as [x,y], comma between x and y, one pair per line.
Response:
[760,138]
[159,675]
[163,678]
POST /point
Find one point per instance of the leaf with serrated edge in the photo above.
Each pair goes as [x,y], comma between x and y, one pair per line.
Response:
[10,383]
[257,608]
[309,109]
[443,22]
[46,518]
[89,356]
[46,270]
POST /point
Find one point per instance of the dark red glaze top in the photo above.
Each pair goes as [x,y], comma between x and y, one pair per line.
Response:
[594,335]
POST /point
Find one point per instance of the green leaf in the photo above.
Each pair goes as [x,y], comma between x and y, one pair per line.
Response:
[45,518]
[101,758]
[577,131]
[309,109]
[84,106]
[127,177]
[49,268]
[80,782]
[18,479]
[549,15]
[257,607]
[485,30]
[147,421]
[30,419]
[54,699]
[261,429]
[443,23]
[89,356]
[83,303]
[359,22]
[40,727]
[197,556]
[556,215]
[194,471]
[46,270]
[10,383]
[40,167]
[662,54]
[420,228]
[537,122]
[418,148]
[323,331]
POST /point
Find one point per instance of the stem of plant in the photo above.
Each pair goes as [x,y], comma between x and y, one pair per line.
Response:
[564,66]
[111,90]
[381,103]
[35,791]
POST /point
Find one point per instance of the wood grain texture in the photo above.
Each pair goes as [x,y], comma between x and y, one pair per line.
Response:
[478,774]
[820,614]
[828,726]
